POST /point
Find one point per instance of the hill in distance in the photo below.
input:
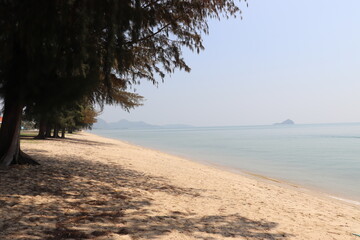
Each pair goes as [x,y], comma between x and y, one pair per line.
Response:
[125,124]
[286,122]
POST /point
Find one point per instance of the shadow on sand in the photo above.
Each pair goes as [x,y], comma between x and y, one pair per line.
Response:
[73,198]
[69,139]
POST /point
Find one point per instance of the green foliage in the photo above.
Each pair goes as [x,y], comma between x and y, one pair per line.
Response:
[27,125]
[77,115]
[55,52]
[44,61]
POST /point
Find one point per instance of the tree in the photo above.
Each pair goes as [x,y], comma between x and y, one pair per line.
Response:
[67,116]
[75,116]
[53,52]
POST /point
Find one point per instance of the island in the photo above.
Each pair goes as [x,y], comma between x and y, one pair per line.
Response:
[286,122]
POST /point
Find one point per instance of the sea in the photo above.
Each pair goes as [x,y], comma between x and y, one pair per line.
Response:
[322,157]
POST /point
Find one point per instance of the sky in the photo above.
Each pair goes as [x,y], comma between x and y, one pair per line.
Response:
[286,59]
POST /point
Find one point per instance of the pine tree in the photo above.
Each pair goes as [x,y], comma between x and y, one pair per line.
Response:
[56,52]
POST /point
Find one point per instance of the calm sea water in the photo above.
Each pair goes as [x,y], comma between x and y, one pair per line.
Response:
[324,156]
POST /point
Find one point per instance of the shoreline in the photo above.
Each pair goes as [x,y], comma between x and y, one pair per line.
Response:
[92,187]
[316,191]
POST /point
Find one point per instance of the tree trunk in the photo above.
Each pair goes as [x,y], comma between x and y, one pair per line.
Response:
[63,133]
[48,131]
[56,131]
[10,152]
[42,129]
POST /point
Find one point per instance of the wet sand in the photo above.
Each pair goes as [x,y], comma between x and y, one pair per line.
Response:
[90,187]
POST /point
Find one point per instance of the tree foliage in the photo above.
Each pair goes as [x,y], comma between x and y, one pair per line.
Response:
[70,117]
[56,52]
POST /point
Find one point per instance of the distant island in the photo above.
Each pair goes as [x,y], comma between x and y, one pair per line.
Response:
[125,124]
[286,122]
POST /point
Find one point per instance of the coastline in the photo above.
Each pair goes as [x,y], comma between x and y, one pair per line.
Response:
[317,191]
[104,188]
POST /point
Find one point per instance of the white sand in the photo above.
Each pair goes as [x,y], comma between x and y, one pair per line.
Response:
[98,188]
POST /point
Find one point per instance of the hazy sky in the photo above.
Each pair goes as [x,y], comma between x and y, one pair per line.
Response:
[285,59]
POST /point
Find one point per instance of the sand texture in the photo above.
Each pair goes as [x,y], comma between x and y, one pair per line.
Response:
[89,187]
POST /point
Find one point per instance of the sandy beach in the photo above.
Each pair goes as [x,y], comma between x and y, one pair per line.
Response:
[90,187]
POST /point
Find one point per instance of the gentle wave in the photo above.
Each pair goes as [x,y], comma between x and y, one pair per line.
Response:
[325,157]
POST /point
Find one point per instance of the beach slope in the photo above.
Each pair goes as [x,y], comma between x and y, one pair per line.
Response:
[90,187]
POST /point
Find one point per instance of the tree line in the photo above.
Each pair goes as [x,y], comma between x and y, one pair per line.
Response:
[67,118]
[64,57]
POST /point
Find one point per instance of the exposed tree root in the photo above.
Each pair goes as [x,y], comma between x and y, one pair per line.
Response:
[24,159]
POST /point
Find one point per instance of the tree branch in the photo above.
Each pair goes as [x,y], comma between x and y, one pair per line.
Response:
[149,36]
